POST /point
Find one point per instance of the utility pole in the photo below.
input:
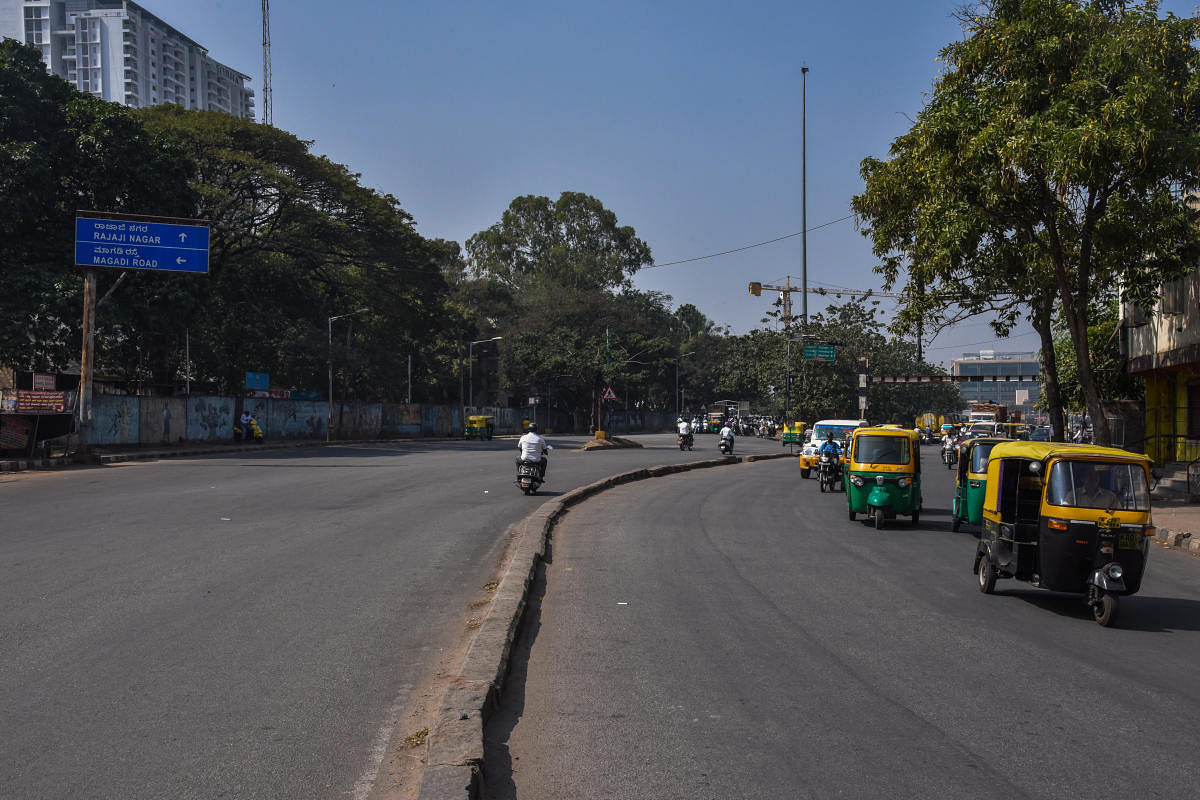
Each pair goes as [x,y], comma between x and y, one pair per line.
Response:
[785,296]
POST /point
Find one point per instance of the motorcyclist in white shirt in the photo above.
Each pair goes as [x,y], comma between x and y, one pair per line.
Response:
[727,433]
[533,448]
[683,426]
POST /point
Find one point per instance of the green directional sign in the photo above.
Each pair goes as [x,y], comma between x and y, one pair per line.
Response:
[819,352]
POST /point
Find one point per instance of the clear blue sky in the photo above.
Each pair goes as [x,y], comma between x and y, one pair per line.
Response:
[681,117]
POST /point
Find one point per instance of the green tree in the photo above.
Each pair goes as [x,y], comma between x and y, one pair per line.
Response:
[553,278]
[574,242]
[297,239]
[1046,170]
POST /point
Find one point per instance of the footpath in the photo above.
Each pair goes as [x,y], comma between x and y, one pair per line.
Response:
[1178,525]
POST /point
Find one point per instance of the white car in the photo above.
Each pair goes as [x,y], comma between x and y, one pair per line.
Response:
[841,430]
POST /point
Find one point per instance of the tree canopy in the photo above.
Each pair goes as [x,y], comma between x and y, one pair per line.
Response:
[573,242]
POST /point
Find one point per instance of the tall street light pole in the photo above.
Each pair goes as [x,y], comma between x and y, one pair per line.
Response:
[329,363]
[803,234]
[804,199]
[471,367]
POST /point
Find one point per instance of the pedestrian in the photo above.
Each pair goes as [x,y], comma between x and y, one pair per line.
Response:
[245,420]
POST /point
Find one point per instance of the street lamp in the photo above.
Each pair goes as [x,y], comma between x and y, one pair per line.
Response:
[804,242]
[678,400]
[471,366]
[329,362]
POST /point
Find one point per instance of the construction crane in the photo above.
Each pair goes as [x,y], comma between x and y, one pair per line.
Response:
[266,28]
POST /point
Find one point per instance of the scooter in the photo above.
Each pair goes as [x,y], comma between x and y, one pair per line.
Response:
[685,440]
[529,473]
[726,446]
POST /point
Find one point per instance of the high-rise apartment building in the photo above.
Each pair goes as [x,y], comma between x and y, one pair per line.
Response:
[119,51]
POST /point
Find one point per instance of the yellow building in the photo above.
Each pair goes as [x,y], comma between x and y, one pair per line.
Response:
[1162,346]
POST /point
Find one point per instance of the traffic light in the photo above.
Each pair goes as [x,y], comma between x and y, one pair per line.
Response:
[756,288]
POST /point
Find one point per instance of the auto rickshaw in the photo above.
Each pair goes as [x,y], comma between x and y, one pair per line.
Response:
[883,476]
[793,433]
[479,425]
[971,481]
[1068,518]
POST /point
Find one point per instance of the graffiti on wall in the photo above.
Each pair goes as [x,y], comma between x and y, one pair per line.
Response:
[114,420]
[210,418]
[297,419]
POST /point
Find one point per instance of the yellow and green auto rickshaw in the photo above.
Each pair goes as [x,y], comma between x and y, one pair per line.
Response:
[716,421]
[883,476]
[793,433]
[1068,518]
[479,425]
[971,481]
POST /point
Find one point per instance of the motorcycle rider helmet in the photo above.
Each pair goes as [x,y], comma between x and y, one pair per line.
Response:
[532,427]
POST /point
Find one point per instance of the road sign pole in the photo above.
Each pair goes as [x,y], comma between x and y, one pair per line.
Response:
[88,354]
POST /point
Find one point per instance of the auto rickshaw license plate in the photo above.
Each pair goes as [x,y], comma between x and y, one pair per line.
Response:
[1129,540]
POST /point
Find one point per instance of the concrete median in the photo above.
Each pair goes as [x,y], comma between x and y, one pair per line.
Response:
[454,759]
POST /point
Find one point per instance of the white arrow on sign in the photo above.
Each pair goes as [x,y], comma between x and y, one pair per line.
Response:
[182,238]
[181,260]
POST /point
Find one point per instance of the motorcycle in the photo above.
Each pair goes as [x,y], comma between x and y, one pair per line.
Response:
[829,472]
[685,440]
[950,455]
[726,446]
[530,476]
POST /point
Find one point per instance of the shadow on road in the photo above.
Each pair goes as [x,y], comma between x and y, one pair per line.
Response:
[1137,612]
[497,759]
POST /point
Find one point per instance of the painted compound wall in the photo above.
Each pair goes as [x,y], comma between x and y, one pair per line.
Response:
[135,420]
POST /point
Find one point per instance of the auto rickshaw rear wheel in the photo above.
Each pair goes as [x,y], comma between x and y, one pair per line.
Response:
[917,517]
[878,518]
[987,575]
[852,516]
[1105,609]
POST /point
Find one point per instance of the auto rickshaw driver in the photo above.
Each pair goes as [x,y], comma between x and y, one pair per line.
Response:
[1092,494]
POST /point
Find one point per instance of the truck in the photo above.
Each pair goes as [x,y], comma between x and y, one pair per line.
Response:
[987,412]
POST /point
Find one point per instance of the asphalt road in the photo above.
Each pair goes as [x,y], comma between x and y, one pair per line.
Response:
[730,634]
[248,626]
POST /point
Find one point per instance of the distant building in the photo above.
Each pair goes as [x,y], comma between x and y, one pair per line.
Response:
[116,50]
[1011,379]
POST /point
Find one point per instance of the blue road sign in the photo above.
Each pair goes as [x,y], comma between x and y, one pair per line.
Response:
[136,244]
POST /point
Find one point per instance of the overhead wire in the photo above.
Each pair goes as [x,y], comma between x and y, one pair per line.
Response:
[749,246]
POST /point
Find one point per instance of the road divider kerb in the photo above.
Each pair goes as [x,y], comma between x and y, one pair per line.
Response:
[454,754]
